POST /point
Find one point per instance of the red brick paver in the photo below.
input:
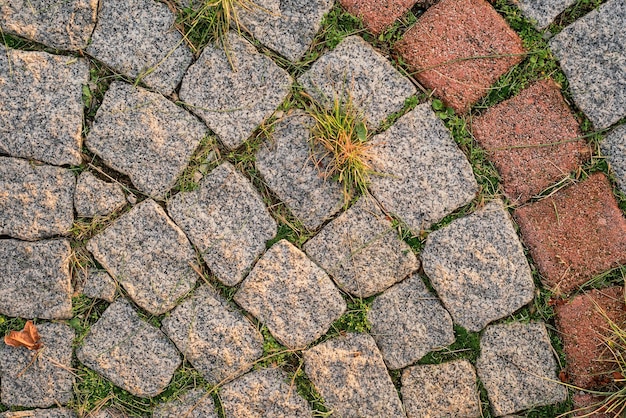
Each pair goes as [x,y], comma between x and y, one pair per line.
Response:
[515,132]
[377,15]
[575,234]
[589,406]
[584,331]
[458,32]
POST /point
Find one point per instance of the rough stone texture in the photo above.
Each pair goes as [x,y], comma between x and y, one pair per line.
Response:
[94,197]
[543,12]
[100,285]
[575,234]
[233,103]
[362,251]
[589,406]
[515,132]
[196,403]
[138,39]
[264,393]
[286,166]
[408,322]
[129,352]
[425,174]
[614,148]
[517,367]
[445,390]
[107,413]
[35,280]
[44,382]
[378,16]
[59,24]
[41,413]
[226,220]
[584,329]
[357,70]
[41,111]
[216,339]
[145,136]
[291,295]
[477,266]
[350,374]
[36,201]
[448,33]
[148,255]
[287,26]
[592,55]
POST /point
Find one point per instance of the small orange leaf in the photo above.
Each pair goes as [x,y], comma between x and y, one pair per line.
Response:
[28,338]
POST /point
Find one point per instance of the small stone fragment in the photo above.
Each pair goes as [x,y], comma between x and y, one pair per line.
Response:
[145,136]
[291,295]
[226,220]
[196,403]
[517,367]
[216,339]
[408,322]
[378,16]
[35,279]
[424,174]
[356,70]
[614,148]
[263,393]
[288,27]
[94,197]
[41,111]
[42,413]
[138,39]
[350,374]
[100,285]
[148,255]
[129,352]
[287,167]
[107,413]
[543,12]
[446,390]
[36,201]
[44,381]
[233,103]
[362,251]
[62,24]
[478,267]
[591,53]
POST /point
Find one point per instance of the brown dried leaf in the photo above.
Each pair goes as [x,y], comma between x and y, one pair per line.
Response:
[28,337]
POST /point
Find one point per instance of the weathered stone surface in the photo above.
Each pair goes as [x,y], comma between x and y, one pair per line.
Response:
[477,266]
[41,111]
[138,39]
[196,403]
[100,285]
[41,413]
[291,295]
[543,12]
[425,176]
[129,352]
[148,255]
[60,24]
[107,413]
[216,339]
[43,382]
[362,251]
[614,148]
[458,49]
[226,220]
[94,197]
[379,15]
[357,70]
[145,136]
[233,103]
[446,390]
[35,280]
[408,322]
[263,393]
[592,55]
[36,201]
[517,367]
[286,166]
[288,27]
[350,374]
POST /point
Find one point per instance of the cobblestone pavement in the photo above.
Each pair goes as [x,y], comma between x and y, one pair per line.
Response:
[166,224]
